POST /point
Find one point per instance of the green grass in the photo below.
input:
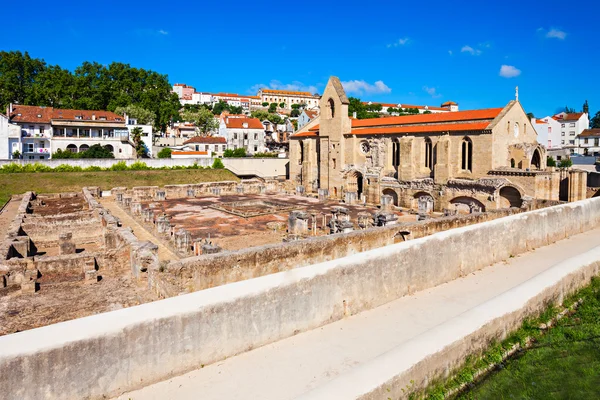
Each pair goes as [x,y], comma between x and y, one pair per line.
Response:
[53,182]
[564,363]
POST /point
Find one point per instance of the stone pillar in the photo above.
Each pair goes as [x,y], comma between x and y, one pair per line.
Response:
[386,218]
[577,185]
[163,225]
[387,202]
[90,273]
[191,193]
[183,241]
[160,195]
[442,172]
[323,194]
[29,282]
[262,189]
[406,170]
[66,244]
[126,201]
[119,197]
[299,190]
[373,189]
[350,197]
[136,208]
[365,220]
[217,191]
[239,189]
[298,223]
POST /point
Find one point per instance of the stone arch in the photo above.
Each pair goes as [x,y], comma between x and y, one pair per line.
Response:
[84,147]
[391,192]
[510,196]
[423,201]
[354,182]
[110,148]
[467,205]
[536,159]
[72,148]
[512,163]
[330,108]
[467,154]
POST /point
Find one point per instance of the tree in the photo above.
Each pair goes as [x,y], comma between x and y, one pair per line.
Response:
[530,116]
[569,110]
[295,113]
[282,105]
[361,109]
[220,107]
[272,107]
[229,153]
[565,163]
[204,120]
[16,154]
[595,122]
[236,110]
[164,153]
[265,104]
[217,164]
[295,106]
[96,151]
[550,161]
[586,107]
[140,147]
[143,116]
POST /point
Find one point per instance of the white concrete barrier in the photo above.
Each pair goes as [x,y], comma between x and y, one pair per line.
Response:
[109,162]
[106,354]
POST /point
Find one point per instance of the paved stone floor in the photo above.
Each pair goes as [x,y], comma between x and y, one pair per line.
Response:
[293,366]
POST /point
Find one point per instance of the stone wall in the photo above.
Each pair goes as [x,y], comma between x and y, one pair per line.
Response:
[206,271]
[141,345]
[109,162]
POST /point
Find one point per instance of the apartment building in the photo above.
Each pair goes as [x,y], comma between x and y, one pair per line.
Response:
[448,106]
[549,132]
[289,98]
[241,131]
[588,142]
[10,135]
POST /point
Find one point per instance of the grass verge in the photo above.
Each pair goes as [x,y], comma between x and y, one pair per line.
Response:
[52,182]
[547,361]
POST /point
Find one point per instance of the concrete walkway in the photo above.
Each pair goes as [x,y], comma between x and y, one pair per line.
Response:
[293,366]
[164,253]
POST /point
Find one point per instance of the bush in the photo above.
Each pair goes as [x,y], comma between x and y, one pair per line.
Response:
[165,153]
[11,168]
[218,164]
[229,153]
[137,166]
[66,168]
[120,166]
[550,161]
[93,168]
[265,155]
[565,163]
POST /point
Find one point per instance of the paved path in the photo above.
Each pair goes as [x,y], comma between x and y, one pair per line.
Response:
[293,366]
[8,214]
[164,253]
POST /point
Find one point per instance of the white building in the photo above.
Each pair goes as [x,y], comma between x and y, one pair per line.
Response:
[289,98]
[448,106]
[243,132]
[306,116]
[10,135]
[588,142]
[549,132]
[571,125]
[44,130]
[209,144]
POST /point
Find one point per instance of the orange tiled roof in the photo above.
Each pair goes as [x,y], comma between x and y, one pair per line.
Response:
[467,126]
[305,134]
[590,132]
[311,114]
[47,114]
[540,121]
[206,140]
[189,153]
[449,103]
[238,123]
[572,117]
[286,92]
[388,105]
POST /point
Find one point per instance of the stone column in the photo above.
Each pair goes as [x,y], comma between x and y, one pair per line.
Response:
[298,223]
[323,194]
[387,202]
[136,208]
[350,197]
[160,195]
[406,170]
[163,225]
[66,244]
[442,169]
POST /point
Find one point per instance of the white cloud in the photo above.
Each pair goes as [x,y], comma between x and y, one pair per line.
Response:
[400,42]
[556,34]
[508,71]
[470,50]
[295,86]
[163,32]
[450,52]
[431,91]
[361,87]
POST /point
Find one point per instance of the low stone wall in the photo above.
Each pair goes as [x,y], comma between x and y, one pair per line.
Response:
[44,230]
[206,271]
[131,348]
[108,162]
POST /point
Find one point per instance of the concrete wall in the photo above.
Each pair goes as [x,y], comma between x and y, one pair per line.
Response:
[108,162]
[261,167]
[109,353]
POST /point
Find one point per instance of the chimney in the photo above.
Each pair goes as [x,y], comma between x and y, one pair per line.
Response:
[93,117]
[354,115]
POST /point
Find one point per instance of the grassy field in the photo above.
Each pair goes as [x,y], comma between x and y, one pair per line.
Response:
[52,182]
[563,364]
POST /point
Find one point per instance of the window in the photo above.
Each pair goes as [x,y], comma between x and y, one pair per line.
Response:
[562,142]
[29,147]
[595,141]
[572,133]
[256,136]
[467,154]
[572,125]
[571,142]
[330,108]
[562,134]
[428,153]
[562,125]
[41,145]
[223,148]
[395,153]
[234,135]
[205,147]
[245,136]
[585,140]
[333,162]
[41,130]
[255,148]
[549,129]
[78,117]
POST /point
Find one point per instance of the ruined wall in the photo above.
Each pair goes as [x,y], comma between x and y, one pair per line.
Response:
[141,345]
[197,273]
[44,230]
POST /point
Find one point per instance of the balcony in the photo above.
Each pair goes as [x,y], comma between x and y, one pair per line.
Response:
[37,150]
[29,134]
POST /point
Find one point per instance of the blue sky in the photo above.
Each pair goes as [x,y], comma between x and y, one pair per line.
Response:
[406,52]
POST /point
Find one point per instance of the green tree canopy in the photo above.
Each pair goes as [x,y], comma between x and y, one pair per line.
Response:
[164,153]
[204,120]
[143,116]
[595,121]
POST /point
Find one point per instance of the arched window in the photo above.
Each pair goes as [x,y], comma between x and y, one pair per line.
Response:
[331,106]
[536,161]
[512,162]
[301,155]
[395,153]
[428,153]
[467,154]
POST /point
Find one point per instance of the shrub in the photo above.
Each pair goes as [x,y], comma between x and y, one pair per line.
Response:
[217,164]
[67,168]
[265,155]
[550,161]
[165,153]
[120,166]
[93,168]
[11,168]
[137,166]
[16,154]
[565,163]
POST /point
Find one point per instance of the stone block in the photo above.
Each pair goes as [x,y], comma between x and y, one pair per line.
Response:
[66,245]
[239,189]
[323,194]
[300,190]
[387,202]
[91,276]
[191,193]
[160,195]
[350,197]
[298,223]
[136,208]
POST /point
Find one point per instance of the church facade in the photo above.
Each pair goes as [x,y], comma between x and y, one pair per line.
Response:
[466,160]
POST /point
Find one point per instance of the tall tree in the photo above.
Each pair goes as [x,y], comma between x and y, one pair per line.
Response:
[595,122]
[204,120]
[586,108]
[142,115]
[18,74]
